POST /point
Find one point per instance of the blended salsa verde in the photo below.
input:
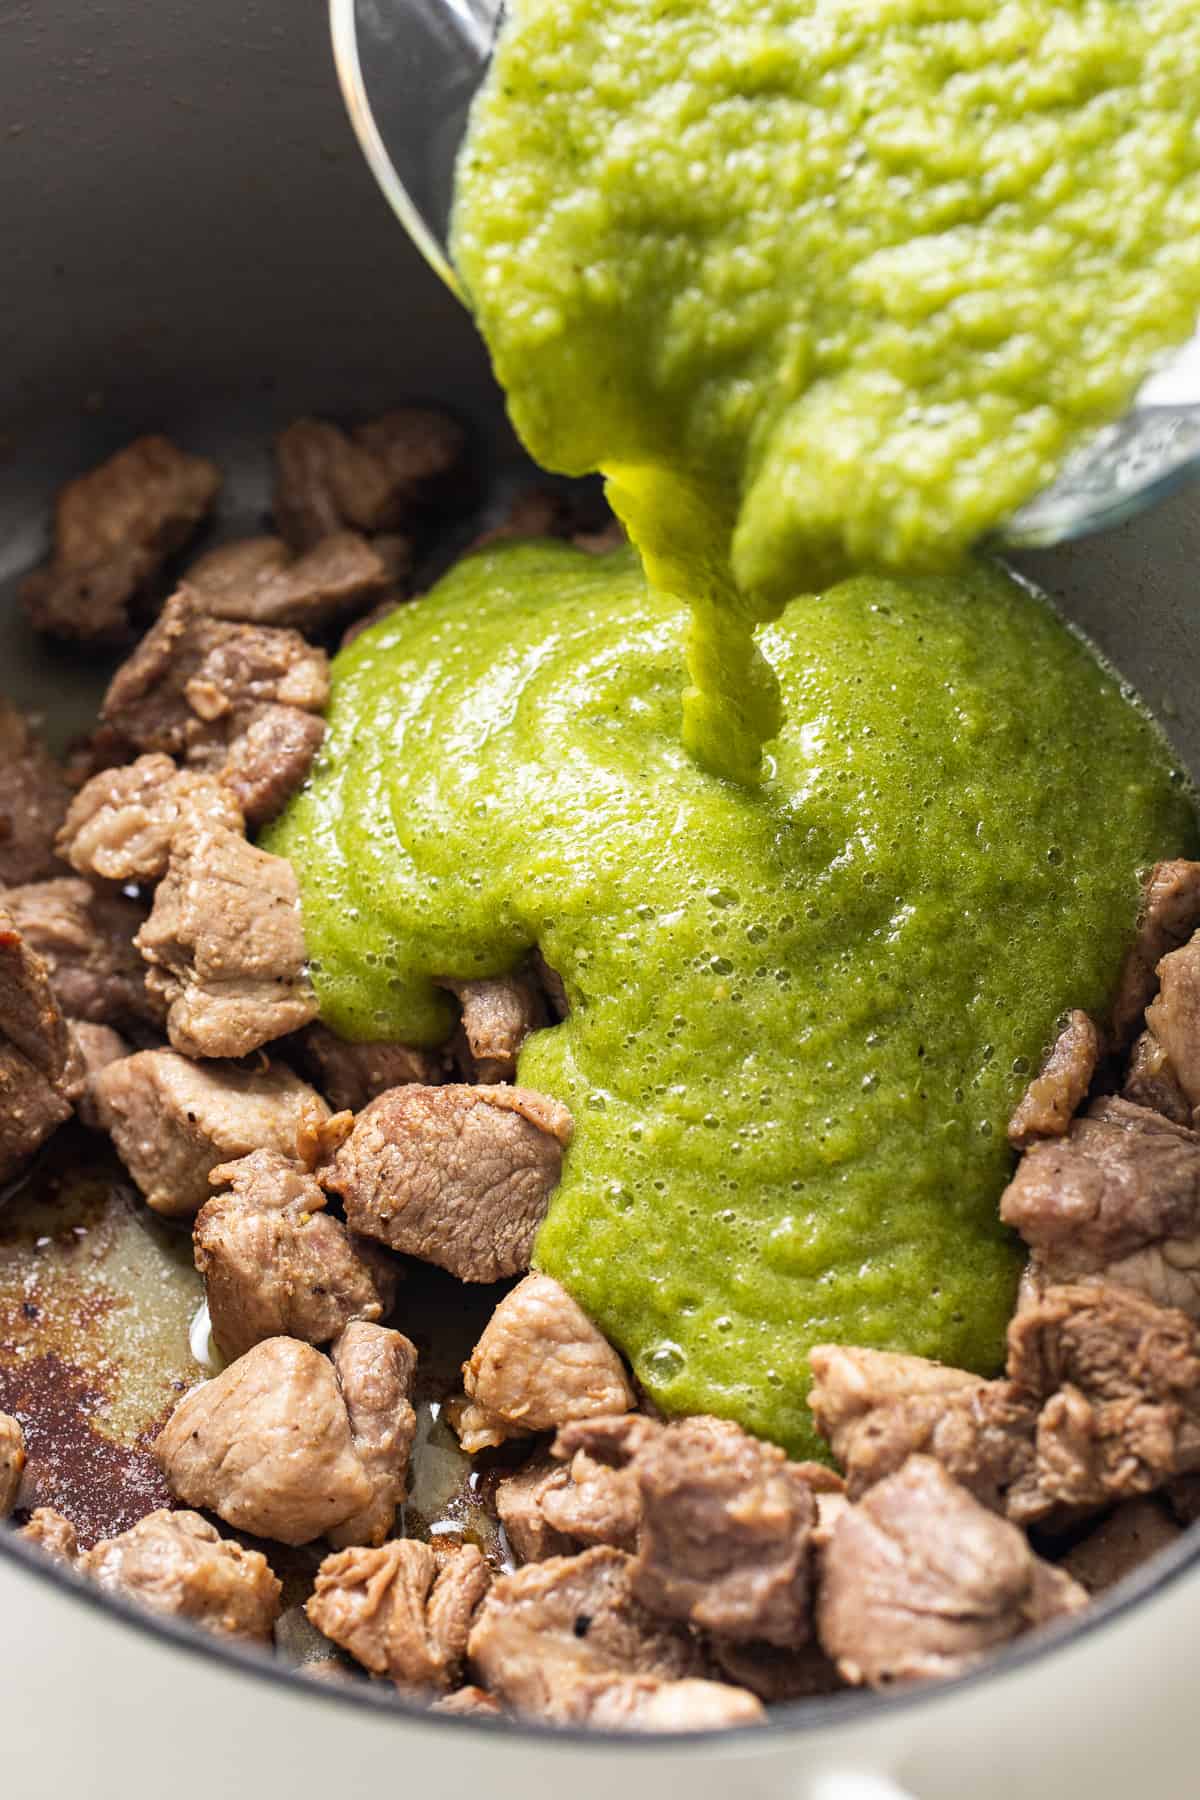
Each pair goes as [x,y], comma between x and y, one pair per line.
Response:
[800,1012]
[824,285]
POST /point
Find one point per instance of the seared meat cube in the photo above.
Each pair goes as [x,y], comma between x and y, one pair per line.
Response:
[1150,1081]
[226,945]
[114,528]
[35,1051]
[539,1364]
[276,1265]
[459,1176]
[400,1613]
[1055,1094]
[1170,914]
[259,582]
[33,800]
[469,1702]
[1117,1199]
[31,1109]
[12,1462]
[920,1580]
[93,1048]
[521,1508]
[375,1370]
[551,1508]
[262,753]
[272,1444]
[85,937]
[173,1120]
[177,1563]
[1174,1017]
[497,1016]
[54,1535]
[1121,1543]
[122,823]
[1119,1379]
[644,1703]
[352,1075]
[373,479]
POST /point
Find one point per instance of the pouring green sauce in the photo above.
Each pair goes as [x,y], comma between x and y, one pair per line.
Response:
[800,1013]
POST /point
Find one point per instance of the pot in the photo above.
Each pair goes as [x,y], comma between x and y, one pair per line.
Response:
[193,244]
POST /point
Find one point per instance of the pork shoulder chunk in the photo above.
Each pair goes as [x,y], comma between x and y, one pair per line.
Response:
[1170,914]
[374,478]
[375,1369]
[401,1613]
[122,823]
[225,943]
[1055,1094]
[261,753]
[258,581]
[1121,1543]
[85,936]
[469,1702]
[646,1703]
[1174,1016]
[920,1581]
[459,1176]
[93,1048]
[497,1016]
[1119,1383]
[877,1408]
[54,1535]
[270,1445]
[352,1075]
[173,1120]
[1150,1081]
[12,1462]
[177,1563]
[114,528]
[553,1507]
[1117,1199]
[539,1364]
[275,1264]
[31,1109]
[33,801]
[35,1051]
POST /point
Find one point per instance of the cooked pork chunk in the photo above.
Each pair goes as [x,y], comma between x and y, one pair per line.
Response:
[262,753]
[646,1703]
[497,1017]
[521,1508]
[177,1563]
[352,1075]
[1151,1081]
[54,1535]
[275,1264]
[400,1613]
[1119,1379]
[375,1369]
[33,799]
[552,1508]
[920,1580]
[459,1176]
[259,582]
[85,936]
[35,1051]
[12,1462]
[776,1675]
[122,823]
[539,1364]
[469,1702]
[1174,1017]
[877,1408]
[173,1120]
[1057,1091]
[372,479]
[226,945]
[1120,1544]
[31,1109]
[1117,1199]
[114,528]
[1170,914]
[93,1048]
[272,1444]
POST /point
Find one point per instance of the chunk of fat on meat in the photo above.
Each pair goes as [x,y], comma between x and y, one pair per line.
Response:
[399,1611]
[498,1014]
[85,934]
[1055,1094]
[258,581]
[539,1364]
[1169,915]
[456,1175]
[1131,1534]
[12,1462]
[178,1563]
[174,1120]
[33,801]
[122,823]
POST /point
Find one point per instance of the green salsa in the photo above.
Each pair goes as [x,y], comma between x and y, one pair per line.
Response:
[824,285]
[800,1012]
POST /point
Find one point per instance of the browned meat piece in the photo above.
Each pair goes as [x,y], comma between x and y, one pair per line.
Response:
[521,1508]
[114,528]
[35,1051]
[177,1563]
[1120,1382]
[93,1048]
[262,753]
[54,1535]
[12,1462]
[31,1108]
[644,1703]
[919,1580]
[373,479]
[469,1702]
[497,1016]
[122,823]
[1120,1544]
[375,1368]
[352,1075]
[877,1408]
[33,799]
[276,1265]
[226,945]
[173,1120]
[776,1675]
[400,1614]
[1055,1094]
[85,937]
[552,1508]
[539,1364]
[1170,914]
[459,1176]
[1174,1017]
[1150,1081]
[259,582]
[270,1446]
[1117,1199]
